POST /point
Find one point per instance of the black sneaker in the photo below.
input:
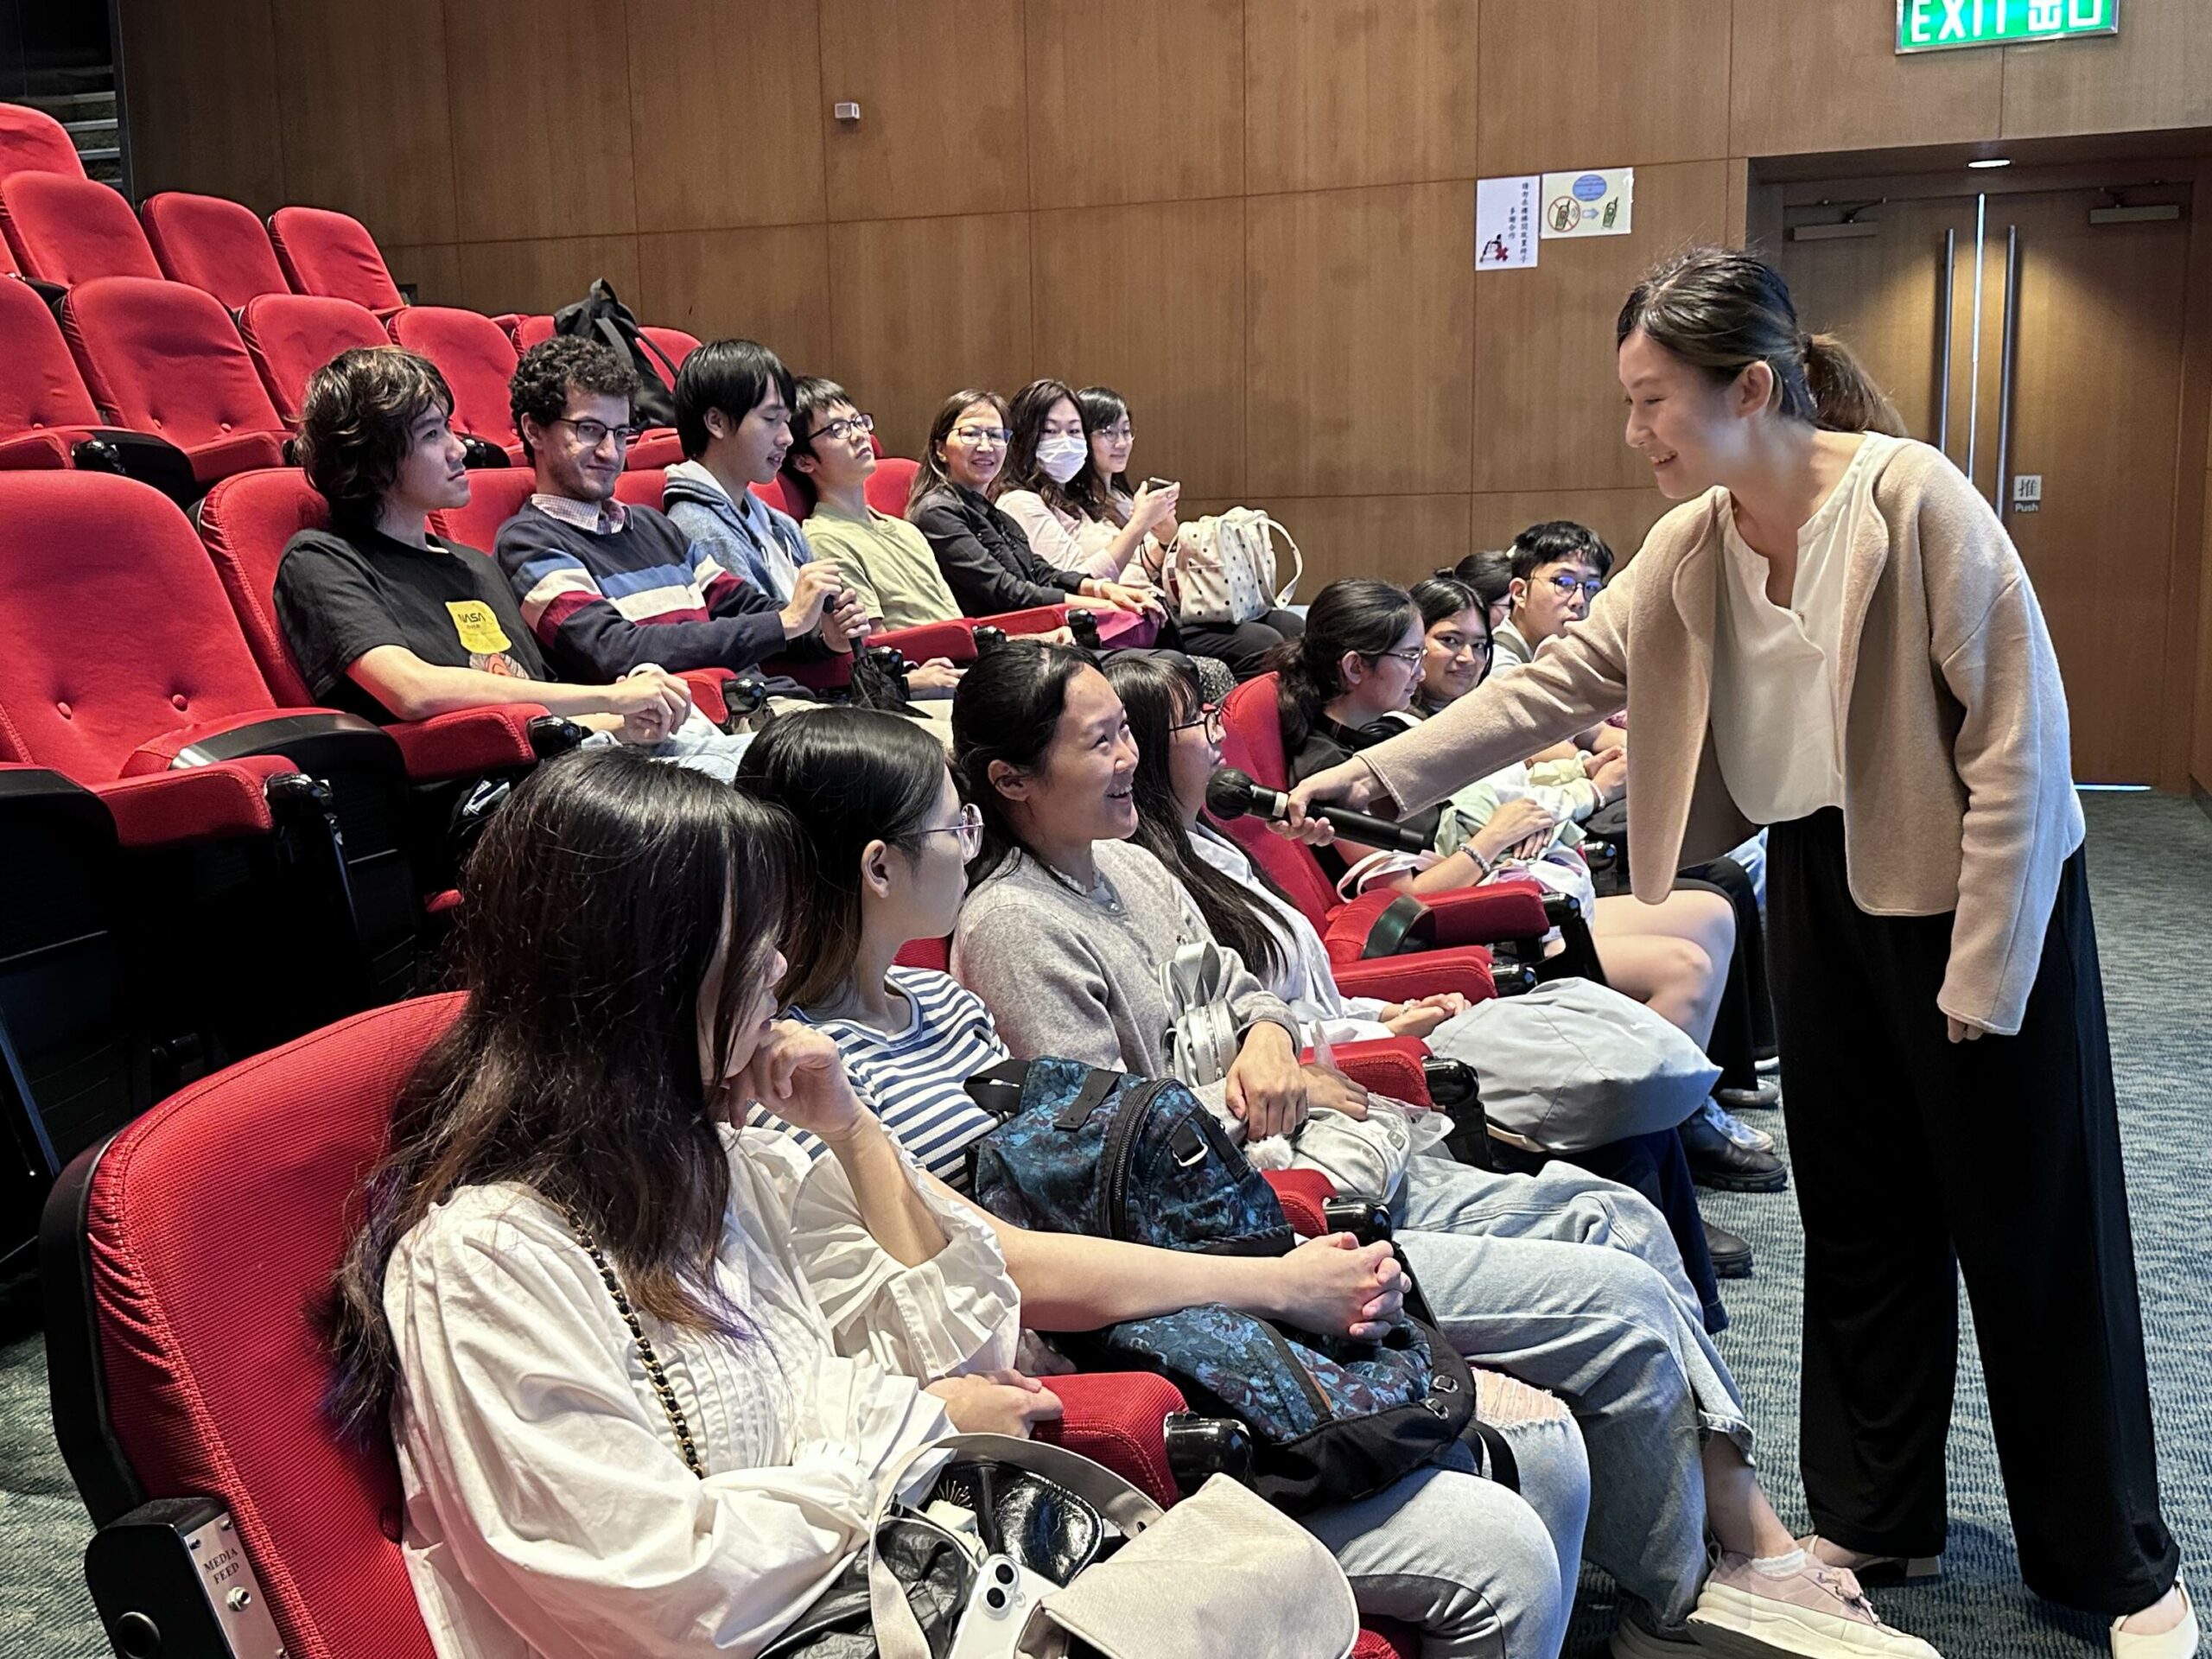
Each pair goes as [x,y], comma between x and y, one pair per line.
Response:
[1717,1161]
[1730,1252]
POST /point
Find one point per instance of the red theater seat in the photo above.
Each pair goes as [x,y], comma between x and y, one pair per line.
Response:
[31,140]
[477,359]
[333,255]
[67,230]
[674,343]
[494,497]
[289,336]
[890,484]
[212,244]
[164,358]
[45,411]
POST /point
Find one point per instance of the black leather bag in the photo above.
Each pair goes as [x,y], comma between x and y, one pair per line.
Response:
[600,315]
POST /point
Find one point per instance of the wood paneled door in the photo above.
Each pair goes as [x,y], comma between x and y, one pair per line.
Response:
[2063,365]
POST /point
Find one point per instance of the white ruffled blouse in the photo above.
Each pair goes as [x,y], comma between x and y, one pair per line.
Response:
[549,1508]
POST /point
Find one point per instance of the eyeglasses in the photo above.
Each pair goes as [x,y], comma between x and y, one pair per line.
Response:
[1410,657]
[983,435]
[970,829]
[1209,717]
[1564,585]
[592,433]
[1121,433]
[838,431]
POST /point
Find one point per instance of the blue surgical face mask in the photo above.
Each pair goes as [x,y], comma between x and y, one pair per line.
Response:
[1061,458]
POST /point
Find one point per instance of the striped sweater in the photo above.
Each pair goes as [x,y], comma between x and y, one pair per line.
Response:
[913,1079]
[603,602]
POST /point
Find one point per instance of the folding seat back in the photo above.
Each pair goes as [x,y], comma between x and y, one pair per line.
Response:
[245,523]
[186,1361]
[41,389]
[495,495]
[115,631]
[212,244]
[675,344]
[333,255]
[68,231]
[527,331]
[31,140]
[642,488]
[1252,743]
[477,359]
[164,358]
[289,336]
[890,484]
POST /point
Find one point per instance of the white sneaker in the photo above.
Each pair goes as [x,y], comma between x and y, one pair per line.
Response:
[2179,1643]
[1814,1612]
[1734,1128]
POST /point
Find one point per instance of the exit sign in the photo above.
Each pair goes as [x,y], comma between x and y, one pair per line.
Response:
[1938,25]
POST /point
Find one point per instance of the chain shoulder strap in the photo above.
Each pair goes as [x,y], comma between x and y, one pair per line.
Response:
[654,1373]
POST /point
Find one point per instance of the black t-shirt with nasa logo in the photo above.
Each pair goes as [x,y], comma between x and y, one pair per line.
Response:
[339,598]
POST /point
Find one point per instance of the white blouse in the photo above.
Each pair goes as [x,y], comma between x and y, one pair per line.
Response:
[1068,541]
[1778,731]
[549,1510]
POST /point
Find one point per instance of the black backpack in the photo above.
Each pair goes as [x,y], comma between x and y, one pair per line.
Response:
[1333,1421]
[601,316]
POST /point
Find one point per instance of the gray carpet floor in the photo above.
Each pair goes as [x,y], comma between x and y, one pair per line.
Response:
[2151,868]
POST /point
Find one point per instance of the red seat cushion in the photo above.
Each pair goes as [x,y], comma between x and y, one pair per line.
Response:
[41,388]
[495,495]
[212,244]
[529,330]
[477,359]
[890,484]
[675,346]
[31,140]
[215,1378]
[163,357]
[245,523]
[115,628]
[642,487]
[1252,743]
[70,230]
[935,955]
[332,254]
[289,336]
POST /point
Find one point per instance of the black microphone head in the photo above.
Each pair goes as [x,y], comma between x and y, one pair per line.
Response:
[1229,793]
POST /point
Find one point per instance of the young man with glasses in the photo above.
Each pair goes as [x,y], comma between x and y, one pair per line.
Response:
[733,419]
[607,588]
[1558,569]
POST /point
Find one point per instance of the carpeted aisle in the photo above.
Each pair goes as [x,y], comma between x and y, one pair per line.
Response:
[2150,868]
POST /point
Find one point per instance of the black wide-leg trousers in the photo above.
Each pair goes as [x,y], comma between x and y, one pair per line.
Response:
[1916,1161]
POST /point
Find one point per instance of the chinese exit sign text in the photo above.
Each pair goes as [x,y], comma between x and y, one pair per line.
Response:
[1934,25]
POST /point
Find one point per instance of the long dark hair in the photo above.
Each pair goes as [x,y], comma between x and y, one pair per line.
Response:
[598,898]
[847,777]
[1354,615]
[1723,309]
[1026,420]
[1159,694]
[929,475]
[1091,490]
[1007,708]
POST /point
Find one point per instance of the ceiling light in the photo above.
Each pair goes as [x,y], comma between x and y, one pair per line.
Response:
[1992,161]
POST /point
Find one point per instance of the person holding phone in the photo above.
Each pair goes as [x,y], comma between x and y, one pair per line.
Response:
[1833,635]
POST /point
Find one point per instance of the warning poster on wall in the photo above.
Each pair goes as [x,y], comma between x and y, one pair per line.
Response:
[1505,223]
[1597,202]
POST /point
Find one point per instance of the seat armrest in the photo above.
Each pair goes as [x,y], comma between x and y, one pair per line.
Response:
[1119,1418]
[495,737]
[308,737]
[1503,910]
[707,685]
[926,640]
[235,452]
[40,452]
[1302,1193]
[218,802]
[1465,969]
[1387,1066]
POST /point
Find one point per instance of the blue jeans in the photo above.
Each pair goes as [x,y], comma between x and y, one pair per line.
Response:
[1615,1332]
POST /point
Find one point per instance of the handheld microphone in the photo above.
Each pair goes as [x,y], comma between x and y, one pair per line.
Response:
[1232,794]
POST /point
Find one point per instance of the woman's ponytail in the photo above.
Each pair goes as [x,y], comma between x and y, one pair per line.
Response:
[1845,396]
[1353,615]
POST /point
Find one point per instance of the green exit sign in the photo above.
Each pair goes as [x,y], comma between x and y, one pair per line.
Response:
[1938,25]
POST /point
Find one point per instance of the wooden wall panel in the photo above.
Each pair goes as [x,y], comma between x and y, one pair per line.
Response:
[943,118]
[1805,78]
[770,285]
[201,78]
[2200,750]
[1623,517]
[1398,538]
[538,117]
[1358,91]
[920,308]
[434,272]
[1550,416]
[380,146]
[545,273]
[1134,100]
[2157,74]
[1359,376]
[1599,83]
[726,112]
[1150,301]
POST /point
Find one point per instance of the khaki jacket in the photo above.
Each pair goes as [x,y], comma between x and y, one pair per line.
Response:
[1958,791]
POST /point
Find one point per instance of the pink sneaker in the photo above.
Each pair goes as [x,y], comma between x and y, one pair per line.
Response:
[1816,1612]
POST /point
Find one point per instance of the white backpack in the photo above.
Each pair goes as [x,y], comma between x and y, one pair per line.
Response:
[1220,571]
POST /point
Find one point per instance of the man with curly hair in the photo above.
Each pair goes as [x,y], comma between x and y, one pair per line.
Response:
[607,587]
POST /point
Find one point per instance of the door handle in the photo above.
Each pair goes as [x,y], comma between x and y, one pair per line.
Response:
[1944,380]
[2008,351]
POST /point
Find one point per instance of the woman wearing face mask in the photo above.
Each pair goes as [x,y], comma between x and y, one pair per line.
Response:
[986,558]
[1051,486]
[644,1369]
[1063,935]
[1838,619]
[874,804]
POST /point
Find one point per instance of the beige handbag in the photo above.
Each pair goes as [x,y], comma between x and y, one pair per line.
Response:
[1222,571]
[1222,1560]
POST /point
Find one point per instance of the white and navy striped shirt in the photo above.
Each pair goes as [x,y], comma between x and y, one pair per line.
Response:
[913,1079]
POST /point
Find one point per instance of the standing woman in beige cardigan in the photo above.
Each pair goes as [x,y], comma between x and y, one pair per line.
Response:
[1833,635]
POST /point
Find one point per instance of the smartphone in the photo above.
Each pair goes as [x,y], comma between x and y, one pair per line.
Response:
[1159,484]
